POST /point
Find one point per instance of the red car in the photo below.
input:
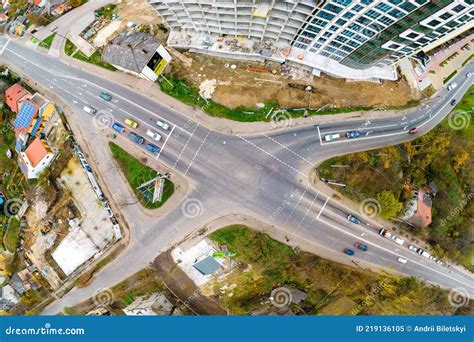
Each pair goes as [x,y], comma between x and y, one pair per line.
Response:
[414,130]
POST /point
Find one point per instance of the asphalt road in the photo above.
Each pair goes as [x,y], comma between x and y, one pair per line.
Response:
[263,175]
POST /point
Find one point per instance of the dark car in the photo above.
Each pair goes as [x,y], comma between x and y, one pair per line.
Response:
[152,148]
[360,246]
[453,102]
[348,251]
[413,130]
[136,138]
[352,134]
[353,219]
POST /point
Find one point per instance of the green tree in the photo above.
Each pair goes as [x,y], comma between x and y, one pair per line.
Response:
[75,3]
[389,204]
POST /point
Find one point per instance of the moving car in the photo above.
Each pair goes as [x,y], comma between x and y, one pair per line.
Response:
[155,136]
[452,86]
[353,219]
[136,138]
[402,260]
[469,74]
[352,134]
[105,96]
[131,123]
[348,251]
[453,102]
[152,148]
[89,110]
[361,246]
[163,125]
[331,137]
[118,127]
[54,28]
[413,130]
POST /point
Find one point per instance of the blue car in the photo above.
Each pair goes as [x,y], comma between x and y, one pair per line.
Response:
[353,219]
[453,102]
[118,127]
[152,148]
[352,134]
[361,246]
[348,251]
[105,96]
[136,138]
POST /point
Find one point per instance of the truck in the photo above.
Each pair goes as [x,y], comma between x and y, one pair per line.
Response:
[118,127]
[386,234]
[424,253]
[136,138]
[89,110]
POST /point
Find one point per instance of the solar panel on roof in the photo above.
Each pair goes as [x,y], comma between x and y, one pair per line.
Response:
[25,115]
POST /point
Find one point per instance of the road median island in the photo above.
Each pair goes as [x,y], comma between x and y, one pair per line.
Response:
[137,174]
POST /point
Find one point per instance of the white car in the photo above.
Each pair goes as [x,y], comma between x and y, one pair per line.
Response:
[331,137]
[413,248]
[402,260]
[163,125]
[452,86]
[469,74]
[155,136]
[54,28]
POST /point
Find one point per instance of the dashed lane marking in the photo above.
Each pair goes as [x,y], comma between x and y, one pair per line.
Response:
[197,152]
[184,147]
[288,149]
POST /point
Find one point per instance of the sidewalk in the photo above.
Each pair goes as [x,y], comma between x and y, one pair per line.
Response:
[222,125]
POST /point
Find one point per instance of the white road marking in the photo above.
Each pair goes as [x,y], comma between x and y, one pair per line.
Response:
[196,154]
[187,142]
[289,150]
[309,208]
[319,134]
[164,144]
[5,46]
[322,208]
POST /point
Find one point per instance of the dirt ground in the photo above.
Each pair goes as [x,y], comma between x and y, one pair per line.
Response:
[240,87]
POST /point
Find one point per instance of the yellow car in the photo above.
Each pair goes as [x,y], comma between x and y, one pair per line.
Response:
[131,123]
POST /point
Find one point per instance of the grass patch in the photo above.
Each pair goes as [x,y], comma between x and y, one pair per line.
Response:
[331,287]
[446,80]
[106,12]
[429,91]
[188,94]
[95,58]
[137,173]
[46,43]
[468,60]
[12,235]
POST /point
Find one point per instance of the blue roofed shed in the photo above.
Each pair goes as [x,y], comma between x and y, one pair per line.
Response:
[207,266]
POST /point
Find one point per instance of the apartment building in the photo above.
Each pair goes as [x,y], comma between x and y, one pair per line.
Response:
[354,39]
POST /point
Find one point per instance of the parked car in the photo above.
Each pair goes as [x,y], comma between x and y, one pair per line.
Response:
[136,138]
[118,127]
[331,137]
[163,125]
[413,130]
[402,260]
[155,136]
[424,253]
[152,148]
[54,28]
[353,219]
[348,251]
[89,110]
[413,248]
[452,86]
[453,102]
[352,134]
[361,246]
[105,96]
[131,123]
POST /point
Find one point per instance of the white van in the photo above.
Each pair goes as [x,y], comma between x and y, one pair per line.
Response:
[89,110]
[331,137]
[452,86]
[153,135]
[163,125]
[402,260]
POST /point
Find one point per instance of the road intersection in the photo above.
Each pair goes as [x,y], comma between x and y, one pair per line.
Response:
[263,175]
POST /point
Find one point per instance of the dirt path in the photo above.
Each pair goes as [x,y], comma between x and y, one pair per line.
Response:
[183,287]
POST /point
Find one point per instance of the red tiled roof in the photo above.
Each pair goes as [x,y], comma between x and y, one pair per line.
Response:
[13,95]
[422,217]
[36,152]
